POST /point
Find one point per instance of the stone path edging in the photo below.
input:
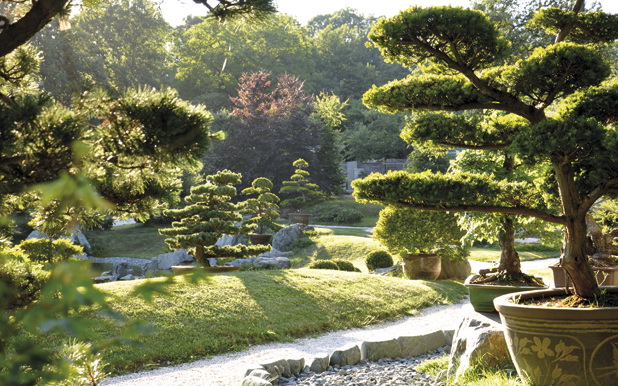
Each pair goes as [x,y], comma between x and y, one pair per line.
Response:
[268,373]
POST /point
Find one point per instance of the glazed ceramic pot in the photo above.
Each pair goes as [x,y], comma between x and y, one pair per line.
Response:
[482,295]
[561,345]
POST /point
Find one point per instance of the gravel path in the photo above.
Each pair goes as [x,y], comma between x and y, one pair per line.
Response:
[229,369]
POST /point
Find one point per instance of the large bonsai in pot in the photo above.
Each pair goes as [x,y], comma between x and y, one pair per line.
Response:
[301,192]
[556,110]
[421,238]
[263,210]
[209,216]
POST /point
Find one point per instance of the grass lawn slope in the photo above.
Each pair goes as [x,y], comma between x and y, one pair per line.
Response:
[229,312]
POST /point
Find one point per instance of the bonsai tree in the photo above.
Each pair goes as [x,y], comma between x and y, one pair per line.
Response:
[210,216]
[557,113]
[262,208]
[303,192]
[409,231]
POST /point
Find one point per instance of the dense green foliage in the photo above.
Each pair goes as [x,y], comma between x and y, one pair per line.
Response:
[378,259]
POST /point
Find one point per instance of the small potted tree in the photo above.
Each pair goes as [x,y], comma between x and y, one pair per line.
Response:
[302,193]
[263,210]
[421,238]
[209,216]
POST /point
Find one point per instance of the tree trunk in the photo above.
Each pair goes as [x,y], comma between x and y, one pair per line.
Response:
[509,258]
[575,260]
[199,256]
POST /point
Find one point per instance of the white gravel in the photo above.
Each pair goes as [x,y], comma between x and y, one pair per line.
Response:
[229,369]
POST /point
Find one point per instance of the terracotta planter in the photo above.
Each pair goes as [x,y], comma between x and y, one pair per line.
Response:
[605,276]
[482,295]
[215,269]
[561,346]
[422,266]
[260,238]
[299,218]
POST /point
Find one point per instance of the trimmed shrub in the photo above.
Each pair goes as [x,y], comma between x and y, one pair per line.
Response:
[324,264]
[378,259]
[336,214]
[20,279]
[344,265]
[48,251]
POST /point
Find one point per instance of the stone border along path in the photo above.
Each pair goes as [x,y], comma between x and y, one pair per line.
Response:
[230,369]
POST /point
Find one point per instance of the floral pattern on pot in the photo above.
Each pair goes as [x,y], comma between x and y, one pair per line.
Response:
[552,357]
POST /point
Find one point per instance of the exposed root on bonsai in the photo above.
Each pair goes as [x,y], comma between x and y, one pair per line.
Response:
[494,276]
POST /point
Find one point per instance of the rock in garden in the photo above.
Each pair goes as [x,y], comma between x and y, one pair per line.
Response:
[78,237]
[272,262]
[241,262]
[372,351]
[37,235]
[231,240]
[320,363]
[346,356]
[167,260]
[287,236]
[120,270]
[478,339]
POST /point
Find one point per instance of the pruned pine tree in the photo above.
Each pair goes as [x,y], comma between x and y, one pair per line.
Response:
[210,216]
[559,104]
[301,192]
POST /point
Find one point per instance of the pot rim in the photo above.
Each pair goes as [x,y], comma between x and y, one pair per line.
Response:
[505,306]
[474,285]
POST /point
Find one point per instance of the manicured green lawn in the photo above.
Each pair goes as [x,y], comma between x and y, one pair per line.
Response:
[229,312]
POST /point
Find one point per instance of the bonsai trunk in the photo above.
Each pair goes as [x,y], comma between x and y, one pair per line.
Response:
[509,258]
[199,256]
[575,258]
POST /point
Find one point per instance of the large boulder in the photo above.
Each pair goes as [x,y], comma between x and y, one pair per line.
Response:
[478,339]
[167,260]
[286,236]
[455,270]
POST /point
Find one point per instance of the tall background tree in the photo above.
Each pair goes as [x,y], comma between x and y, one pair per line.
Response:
[271,125]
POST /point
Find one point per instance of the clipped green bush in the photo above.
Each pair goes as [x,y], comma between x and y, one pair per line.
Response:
[344,265]
[20,279]
[49,251]
[378,259]
[336,214]
[324,264]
